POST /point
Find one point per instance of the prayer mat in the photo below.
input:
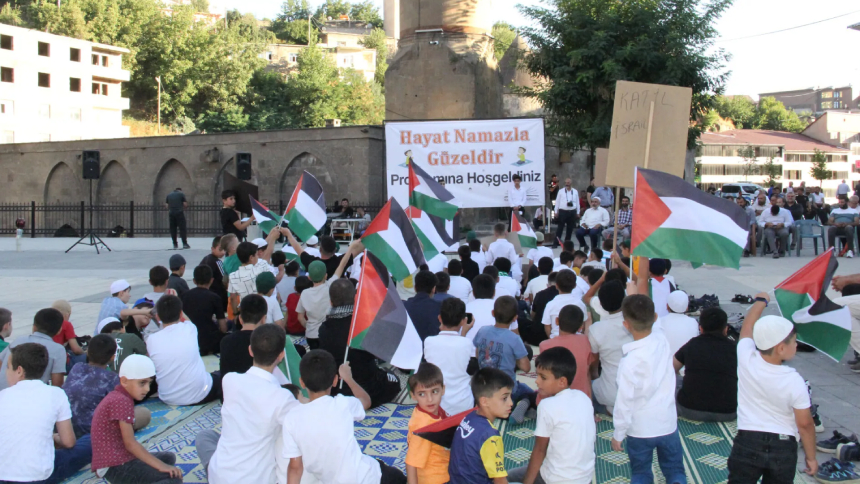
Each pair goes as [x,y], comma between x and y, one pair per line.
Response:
[707,446]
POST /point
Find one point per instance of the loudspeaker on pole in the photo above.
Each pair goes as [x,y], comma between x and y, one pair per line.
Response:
[92,165]
[243,166]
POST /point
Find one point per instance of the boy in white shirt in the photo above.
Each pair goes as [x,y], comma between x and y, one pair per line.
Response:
[460,288]
[319,436]
[607,338]
[540,282]
[451,351]
[645,412]
[535,255]
[565,432]
[506,281]
[266,287]
[501,247]
[773,402]
[254,409]
[244,280]
[566,282]
[179,369]
[678,328]
[29,410]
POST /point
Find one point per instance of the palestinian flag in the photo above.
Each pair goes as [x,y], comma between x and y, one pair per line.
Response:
[290,364]
[306,210]
[682,222]
[432,231]
[442,432]
[427,194]
[265,218]
[802,299]
[380,324]
[391,238]
[521,227]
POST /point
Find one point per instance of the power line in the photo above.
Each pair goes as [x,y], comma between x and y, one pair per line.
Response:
[790,28]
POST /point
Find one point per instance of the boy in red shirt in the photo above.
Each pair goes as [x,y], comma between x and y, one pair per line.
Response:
[569,322]
[294,327]
[67,335]
[117,455]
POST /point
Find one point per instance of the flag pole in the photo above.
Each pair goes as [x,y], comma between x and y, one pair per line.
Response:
[647,159]
[354,306]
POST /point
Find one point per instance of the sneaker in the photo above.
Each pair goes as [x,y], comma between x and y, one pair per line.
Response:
[837,471]
[776,256]
[186,246]
[518,415]
[175,247]
[855,360]
[828,446]
[855,367]
[816,419]
[849,254]
[848,452]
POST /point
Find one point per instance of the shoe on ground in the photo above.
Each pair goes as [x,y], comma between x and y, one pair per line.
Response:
[828,446]
[776,256]
[186,246]
[175,247]
[855,367]
[849,254]
[518,415]
[855,360]
[746,253]
[848,452]
[837,471]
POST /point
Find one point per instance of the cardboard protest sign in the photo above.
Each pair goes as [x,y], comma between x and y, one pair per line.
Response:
[601,160]
[643,109]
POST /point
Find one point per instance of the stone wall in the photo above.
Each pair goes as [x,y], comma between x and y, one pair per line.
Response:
[348,162]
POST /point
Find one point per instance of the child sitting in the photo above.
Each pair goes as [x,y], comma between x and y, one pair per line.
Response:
[127,344]
[181,374]
[158,277]
[773,403]
[46,324]
[244,280]
[266,288]
[205,310]
[88,383]
[254,409]
[234,347]
[426,462]
[644,410]
[319,436]
[177,270]
[115,305]
[117,456]
[67,335]
[500,348]
[30,408]
[5,327]
[477,452]
[569,322]
[565,431]
[295,327]
[451,351]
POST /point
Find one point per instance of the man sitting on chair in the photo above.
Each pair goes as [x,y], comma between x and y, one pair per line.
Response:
[842,222]
[593,221]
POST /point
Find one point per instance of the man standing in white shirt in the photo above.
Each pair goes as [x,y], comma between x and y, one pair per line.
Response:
[775,222]
[566,211]
[843,189]
[607,198]
[517,197]
[594,220]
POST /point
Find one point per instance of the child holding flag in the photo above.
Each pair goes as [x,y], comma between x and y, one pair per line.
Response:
[426,462]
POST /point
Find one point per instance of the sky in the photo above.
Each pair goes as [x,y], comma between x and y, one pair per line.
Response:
[820,55]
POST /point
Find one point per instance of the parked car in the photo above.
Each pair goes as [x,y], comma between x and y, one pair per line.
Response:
[747,190]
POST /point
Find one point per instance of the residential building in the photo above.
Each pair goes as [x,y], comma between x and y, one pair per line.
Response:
[840,129]
[721,161]
[346,53]
[815,101]
[55,88]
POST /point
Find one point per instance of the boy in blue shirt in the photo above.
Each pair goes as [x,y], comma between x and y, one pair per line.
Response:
[500,348]
[477,453]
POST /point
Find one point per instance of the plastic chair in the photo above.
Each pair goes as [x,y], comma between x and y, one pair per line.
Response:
[806,230]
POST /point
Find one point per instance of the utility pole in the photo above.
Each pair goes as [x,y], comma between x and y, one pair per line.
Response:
[158,78]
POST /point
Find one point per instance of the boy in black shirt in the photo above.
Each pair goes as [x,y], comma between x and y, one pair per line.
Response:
[202,306]
[230,222]
[234,347]
[213,262]
[710,389]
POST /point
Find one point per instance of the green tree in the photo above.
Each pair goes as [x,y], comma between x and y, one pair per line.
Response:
[66,20]
[11,15]
[749,160]
[333,9]
[313,91]
[200,5]
[366,11]
[772,114]
[504,35]
[819,169]
[584,46]
[772,171]
[291,24]
[377,40]
[739,109]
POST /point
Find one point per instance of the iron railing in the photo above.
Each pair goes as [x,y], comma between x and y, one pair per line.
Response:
[117,219]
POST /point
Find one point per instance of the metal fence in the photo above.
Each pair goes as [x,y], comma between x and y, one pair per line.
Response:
[116,219]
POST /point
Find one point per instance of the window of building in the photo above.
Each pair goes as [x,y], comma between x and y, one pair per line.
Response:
[74,84]
[829,192]
[836,104]
[74,54]
[827,105]
[7,74]
[44,49]
[105,61]
[44,80]
[837,94]
[6,42]
[95,59]
[45,111]
[100,88]
[8,136]
[75,114]
[269,55]
[835,175]
[831,158]
[855,150]
[294,58]
[792,174]
[7,108]
[826,95]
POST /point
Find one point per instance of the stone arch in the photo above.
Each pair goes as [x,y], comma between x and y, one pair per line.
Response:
[62,186]
[313,165]
[114,185]
[172,175]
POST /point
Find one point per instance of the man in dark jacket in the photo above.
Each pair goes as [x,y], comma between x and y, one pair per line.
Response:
[381,385]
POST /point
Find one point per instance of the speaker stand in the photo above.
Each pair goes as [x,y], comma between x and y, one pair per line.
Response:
[94,240]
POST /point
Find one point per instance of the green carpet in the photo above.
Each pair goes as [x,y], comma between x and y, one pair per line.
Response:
[707,446]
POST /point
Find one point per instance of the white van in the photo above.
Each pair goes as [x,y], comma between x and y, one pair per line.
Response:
[747,190]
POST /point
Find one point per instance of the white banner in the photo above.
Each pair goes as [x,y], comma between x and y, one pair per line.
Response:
[475,159]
